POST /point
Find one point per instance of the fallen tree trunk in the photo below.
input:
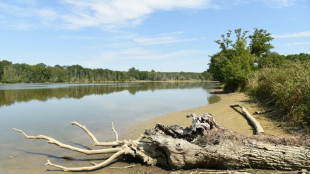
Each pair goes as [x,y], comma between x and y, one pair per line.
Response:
[204,144]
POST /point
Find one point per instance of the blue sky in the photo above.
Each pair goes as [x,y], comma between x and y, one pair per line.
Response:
[164,35]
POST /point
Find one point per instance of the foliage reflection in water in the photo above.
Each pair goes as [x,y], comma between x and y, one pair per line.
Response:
[49,109]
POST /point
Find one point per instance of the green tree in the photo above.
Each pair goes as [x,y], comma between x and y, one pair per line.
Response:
[237,67]
[260,43]
[298,57]
[234,62]
[133,74]
[271,59]
[3,64]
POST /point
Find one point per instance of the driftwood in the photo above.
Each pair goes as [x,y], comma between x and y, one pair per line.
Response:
[263,111]
[258,128]
[204,144]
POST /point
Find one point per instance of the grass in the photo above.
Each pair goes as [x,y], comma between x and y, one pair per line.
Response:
[286,88]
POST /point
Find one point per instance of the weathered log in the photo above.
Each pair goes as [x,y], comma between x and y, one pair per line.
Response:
[204,144]
[258,128]
[227,150]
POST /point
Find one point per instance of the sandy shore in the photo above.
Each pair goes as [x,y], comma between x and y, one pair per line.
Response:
[223,113]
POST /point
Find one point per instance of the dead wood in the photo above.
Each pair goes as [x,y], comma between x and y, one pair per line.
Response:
[204,144]
[263,111]
[258,128]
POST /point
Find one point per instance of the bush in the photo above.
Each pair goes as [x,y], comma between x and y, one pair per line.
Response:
[287,88]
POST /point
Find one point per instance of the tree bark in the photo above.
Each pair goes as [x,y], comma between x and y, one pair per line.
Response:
[223,149]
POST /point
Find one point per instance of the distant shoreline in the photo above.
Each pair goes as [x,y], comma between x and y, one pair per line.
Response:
[138,81]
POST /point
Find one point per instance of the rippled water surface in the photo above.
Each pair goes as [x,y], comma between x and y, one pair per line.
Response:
[50,108]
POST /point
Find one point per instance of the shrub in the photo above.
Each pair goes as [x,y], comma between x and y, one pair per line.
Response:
[287,88]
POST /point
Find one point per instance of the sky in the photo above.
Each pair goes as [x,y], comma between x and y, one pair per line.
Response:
[160,35]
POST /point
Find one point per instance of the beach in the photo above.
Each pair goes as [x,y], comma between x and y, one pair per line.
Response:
[222,112]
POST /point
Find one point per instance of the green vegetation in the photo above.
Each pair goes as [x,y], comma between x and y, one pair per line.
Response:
[41,73]
[286,87]
[237,59]
[276,80]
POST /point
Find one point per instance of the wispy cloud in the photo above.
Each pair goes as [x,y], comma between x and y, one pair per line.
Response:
[139,57]
[226,4]
[165,38]
[280,3]
[297,43]
[293,35]
[111,14]
[284,3]
[144,54]
[115,13]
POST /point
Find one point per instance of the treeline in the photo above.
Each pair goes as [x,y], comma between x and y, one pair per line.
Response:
[41,73]
[278,81]
[9,97]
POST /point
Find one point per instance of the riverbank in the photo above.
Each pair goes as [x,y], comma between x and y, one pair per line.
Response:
[222,112]
[224,115]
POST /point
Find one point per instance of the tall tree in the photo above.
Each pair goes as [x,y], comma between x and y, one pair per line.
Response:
[234,62]
[260,42]
[3,64]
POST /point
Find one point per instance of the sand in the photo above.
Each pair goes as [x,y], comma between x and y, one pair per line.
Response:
[224,115]
[222,112]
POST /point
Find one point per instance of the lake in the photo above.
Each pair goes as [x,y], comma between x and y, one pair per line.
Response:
[49,109]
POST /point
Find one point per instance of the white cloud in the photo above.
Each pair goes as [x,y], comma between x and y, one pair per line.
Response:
[160,39]
[297,43]
[111,14]
[116,13]
[46,13]
[293,35]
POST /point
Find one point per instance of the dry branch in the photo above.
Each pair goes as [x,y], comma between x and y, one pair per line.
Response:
[263,111]
[258,128]
[66,146]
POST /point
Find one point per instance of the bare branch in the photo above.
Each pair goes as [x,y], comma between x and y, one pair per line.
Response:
[126,167]
[116,134]
[66,146]
[89,168]
[96,142]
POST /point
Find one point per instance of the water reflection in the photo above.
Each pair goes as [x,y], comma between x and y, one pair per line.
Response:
[49,108]
[9,94]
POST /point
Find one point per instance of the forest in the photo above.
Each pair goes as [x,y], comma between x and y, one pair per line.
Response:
[246,63]
[41,73]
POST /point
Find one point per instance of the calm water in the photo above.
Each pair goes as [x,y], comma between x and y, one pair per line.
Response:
[50,108]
